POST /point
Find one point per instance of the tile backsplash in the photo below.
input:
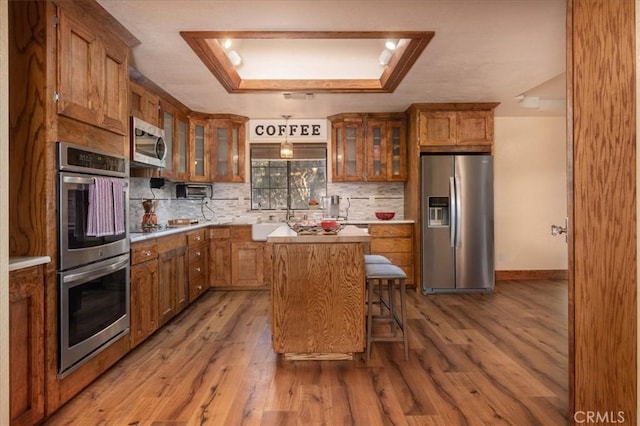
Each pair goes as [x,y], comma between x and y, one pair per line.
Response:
[231,202]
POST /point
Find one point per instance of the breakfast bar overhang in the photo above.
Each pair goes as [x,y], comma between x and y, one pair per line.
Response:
[318,293]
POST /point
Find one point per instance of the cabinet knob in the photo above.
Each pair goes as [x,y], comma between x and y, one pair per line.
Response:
[198,254]
[199,287]
[147,252]
[197,237]
[197,269]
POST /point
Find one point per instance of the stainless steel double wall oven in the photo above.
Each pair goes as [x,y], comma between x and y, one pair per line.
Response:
[93,271]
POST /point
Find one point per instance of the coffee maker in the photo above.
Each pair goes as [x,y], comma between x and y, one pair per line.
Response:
[332,207]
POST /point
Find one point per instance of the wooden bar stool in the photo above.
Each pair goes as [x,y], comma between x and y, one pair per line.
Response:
[389,274]
[377,258]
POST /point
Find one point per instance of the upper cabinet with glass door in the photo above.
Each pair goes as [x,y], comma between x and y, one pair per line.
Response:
[200,135]
[175,125]
[347,148]
[228,134]
[386,148]
[368,147]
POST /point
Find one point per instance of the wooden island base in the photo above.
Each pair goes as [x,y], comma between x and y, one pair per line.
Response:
[318,294]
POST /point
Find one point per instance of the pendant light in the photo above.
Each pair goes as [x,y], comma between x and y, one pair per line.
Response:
[286,148]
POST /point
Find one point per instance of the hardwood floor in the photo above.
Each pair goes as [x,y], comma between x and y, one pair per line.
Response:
[497,359]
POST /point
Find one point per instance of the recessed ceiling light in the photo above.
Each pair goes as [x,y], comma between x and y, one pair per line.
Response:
[391,44]
[385,57]
[234,57]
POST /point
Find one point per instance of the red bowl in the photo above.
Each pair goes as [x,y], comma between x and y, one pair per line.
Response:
[329,225]
[385,215]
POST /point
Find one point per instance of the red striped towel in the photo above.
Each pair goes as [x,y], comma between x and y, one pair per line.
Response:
[106,209]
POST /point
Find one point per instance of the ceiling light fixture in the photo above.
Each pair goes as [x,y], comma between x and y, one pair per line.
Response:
[226,43]
[391,44]
[234,57]
[385,57]
[286,147]
[299,96]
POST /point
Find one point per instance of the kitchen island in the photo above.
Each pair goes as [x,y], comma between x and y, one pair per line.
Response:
[318,293]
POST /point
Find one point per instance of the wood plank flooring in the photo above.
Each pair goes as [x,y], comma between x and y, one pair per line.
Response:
[498,359]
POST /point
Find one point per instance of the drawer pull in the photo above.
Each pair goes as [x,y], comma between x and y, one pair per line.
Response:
[147,252]
[197,269]
[198,254]
[197,237]
[199,287]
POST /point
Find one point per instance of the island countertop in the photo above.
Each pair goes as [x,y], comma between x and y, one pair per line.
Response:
[348,234]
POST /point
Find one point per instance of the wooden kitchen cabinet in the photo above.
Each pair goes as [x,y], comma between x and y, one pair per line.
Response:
[92,75]
[198,261]
[228,148]
[26,345]
[143,104]
[176,130]
[455,127]
[347,148]
[386,148]
[173,285]
[199,142]
[144,287]
[394,241]
[219,256]
[247,259]
[368,147]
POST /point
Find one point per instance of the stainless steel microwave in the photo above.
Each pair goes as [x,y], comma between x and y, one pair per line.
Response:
[148,148]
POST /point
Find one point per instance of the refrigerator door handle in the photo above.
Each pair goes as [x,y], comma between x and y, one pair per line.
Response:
[453,214]
[458,213]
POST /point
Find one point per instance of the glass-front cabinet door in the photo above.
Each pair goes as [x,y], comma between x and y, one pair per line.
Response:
[228,149]
[347,156]
[176,136]
[376,150]
[199,150]
[181,149]
[168,124]
[396,150]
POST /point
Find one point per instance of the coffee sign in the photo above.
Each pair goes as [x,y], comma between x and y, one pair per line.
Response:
[295,130]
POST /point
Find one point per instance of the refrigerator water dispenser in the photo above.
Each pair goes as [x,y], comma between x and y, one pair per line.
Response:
[438,211]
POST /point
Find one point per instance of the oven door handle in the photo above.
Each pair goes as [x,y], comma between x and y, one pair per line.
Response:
[81,277]
[82,180]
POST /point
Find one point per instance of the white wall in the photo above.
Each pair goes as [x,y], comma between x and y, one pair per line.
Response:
[530,192]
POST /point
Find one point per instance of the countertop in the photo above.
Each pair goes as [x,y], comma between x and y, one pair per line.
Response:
[349,234]
[135,237]
[21,262]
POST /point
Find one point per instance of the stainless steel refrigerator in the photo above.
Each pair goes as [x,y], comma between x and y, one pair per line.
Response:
[457,223]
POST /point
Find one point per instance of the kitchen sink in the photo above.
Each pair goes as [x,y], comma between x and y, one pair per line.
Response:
[259,231]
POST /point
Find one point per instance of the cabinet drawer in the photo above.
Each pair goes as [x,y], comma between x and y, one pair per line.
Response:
[172,242]
[196,287]
[219,233]
[141,252]
[399,259]
[400,230]
[197,237]
[241,233]
[196,253]
[390,245]
[196,269]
